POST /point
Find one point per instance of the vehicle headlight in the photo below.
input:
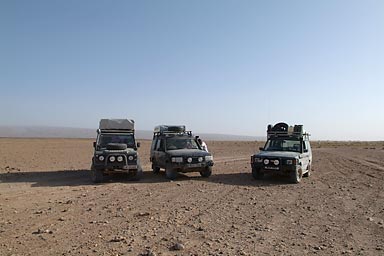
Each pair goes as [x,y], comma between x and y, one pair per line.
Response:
[266,161]
[177,159]
[130,158]
[101,158]
[208,158]
[258,160]
[112,159]
[276,162]
[200,159]
[291,161]
[189,160]
[119,159]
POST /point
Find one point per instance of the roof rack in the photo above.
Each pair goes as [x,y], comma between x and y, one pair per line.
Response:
[284,130]
[171,130]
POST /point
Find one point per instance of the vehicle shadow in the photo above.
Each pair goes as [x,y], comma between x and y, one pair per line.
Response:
[75,178]
[49,178]
[237,179]
[246,179]
[82,178]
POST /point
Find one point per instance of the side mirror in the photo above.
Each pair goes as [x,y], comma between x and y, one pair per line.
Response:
[261,148]
[305,150]
[94,144]
[138,144]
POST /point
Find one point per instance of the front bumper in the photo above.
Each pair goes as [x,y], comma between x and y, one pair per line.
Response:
[190,167]
[275,169]
[124,166]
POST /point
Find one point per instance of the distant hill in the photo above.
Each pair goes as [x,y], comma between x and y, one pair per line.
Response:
[68,132]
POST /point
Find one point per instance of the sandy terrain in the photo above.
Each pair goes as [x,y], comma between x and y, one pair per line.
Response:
[48,206]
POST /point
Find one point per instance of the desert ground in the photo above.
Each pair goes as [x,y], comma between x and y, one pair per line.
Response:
[48,205]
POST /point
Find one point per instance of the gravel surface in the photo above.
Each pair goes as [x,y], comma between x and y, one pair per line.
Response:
[48,206]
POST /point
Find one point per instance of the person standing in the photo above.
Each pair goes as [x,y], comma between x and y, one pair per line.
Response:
[203,144]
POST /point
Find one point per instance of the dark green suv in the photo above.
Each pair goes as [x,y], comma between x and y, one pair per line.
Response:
[115,150]
[177,150]
[287,151]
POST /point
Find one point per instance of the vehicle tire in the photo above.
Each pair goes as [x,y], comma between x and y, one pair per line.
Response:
[308,173]
[170,173]
[97,175]
[136,176]
[257,174]
[296,176]
[155,169]
[116,146]
[206,172]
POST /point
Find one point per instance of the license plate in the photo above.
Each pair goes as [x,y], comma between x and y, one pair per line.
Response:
[194,165]
[271,168]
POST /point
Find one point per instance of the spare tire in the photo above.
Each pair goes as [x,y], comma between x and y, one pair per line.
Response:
[116,146]
[280,127]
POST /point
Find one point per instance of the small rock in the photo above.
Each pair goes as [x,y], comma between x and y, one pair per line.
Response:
[118,239]
[142,214]
[178,247]
[149,253]
[42,231]
[317,248]
[61,219]
[370,219]
[178,184]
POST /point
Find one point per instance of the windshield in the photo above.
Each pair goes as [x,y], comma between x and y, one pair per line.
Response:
[127,139]
[181,143]
[283,145]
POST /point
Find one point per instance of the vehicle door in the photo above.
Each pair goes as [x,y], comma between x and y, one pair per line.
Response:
[305,155]
[153,148]
[160,155]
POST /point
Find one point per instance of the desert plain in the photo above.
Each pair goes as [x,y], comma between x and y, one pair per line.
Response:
[49,206]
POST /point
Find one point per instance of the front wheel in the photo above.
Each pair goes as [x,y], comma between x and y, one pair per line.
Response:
[97,175]
[308,173]
[155,169]
[257,174]
[135,175]
[296,176]
[206,172]
[170,173]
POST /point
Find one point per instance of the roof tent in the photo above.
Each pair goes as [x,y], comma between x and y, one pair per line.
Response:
[117,124]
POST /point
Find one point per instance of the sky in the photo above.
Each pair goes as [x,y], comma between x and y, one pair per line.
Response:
[218,66]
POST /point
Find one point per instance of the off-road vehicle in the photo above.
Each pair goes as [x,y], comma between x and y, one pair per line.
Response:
[177,150]
[287,151]
[115,150]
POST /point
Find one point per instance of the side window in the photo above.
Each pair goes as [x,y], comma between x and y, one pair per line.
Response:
[308,145]
[162,146]
[153,146]
[304,146]
[159,145]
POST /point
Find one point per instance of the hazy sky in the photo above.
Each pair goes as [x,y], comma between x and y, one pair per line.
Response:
[216,66]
